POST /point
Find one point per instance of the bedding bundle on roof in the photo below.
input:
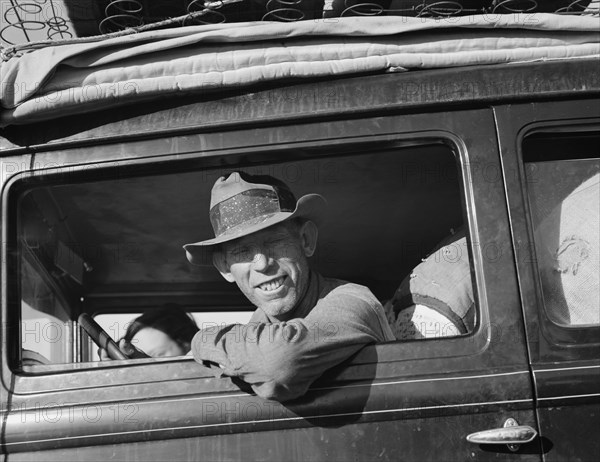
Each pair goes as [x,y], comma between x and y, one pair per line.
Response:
[80,77]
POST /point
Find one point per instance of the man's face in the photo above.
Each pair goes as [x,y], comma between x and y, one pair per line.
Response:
[270,267]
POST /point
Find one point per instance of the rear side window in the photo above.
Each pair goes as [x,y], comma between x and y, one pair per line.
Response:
[563,177]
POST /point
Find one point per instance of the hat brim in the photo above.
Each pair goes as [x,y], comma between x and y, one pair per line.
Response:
[310,206]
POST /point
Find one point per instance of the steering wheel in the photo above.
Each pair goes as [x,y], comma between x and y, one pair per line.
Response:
[100,337]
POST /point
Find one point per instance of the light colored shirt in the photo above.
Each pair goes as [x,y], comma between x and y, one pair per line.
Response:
[280,360]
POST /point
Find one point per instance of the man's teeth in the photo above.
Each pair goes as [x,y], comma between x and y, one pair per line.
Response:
[271,285]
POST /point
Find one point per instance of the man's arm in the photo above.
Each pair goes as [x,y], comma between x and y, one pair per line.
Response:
[281,360]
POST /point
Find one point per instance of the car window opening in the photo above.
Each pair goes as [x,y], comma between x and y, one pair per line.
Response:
[113,248]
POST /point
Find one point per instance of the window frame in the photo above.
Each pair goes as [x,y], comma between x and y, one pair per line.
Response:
[548,342]
[54,175]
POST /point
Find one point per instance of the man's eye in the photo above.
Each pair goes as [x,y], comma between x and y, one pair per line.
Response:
[275,240]
[239,252]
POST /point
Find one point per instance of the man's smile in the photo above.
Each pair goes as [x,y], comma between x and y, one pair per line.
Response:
[272,285]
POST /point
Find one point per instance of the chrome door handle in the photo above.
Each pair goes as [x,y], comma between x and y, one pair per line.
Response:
[512,434]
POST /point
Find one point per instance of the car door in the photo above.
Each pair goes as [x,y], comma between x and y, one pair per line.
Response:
[403,400]
[550,153]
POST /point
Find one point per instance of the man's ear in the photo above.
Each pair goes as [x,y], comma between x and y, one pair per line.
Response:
[220,262]
[309,234]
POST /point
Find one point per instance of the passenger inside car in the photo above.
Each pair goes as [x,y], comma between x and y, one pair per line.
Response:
[165,332]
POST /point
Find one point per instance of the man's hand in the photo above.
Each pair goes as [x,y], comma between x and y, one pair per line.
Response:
[128,350]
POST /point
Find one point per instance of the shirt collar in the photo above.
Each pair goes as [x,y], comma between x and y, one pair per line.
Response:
[311,296]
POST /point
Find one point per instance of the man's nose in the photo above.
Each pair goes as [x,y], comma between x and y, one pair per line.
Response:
[262,260]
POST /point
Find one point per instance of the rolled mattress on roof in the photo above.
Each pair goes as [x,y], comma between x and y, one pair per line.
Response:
[73,78]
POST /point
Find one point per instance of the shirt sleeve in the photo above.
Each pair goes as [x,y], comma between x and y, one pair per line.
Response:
[281,360]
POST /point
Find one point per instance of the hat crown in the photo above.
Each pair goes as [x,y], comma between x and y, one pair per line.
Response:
[243,204]
[228,186]
[240,201]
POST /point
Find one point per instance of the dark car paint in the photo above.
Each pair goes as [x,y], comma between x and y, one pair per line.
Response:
[399,401]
